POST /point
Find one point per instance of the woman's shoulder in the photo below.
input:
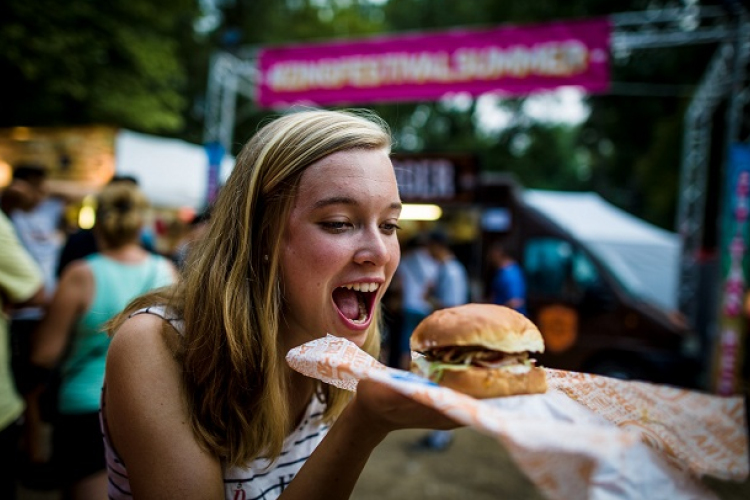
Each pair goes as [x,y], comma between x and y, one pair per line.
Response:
[165,313]
[139,329]
[144,334]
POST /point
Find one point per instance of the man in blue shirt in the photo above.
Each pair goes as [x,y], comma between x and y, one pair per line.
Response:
[508,287]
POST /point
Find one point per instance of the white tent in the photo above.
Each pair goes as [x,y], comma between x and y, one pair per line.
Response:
[645,257]
[171,172]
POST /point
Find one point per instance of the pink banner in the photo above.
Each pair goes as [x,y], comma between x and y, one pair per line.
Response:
[515,60]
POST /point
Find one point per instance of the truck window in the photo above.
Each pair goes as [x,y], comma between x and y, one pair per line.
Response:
[555,269]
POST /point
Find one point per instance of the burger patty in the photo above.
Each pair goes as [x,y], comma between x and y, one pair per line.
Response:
[476,356]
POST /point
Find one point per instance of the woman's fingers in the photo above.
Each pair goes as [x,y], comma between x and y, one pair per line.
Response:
[393,410]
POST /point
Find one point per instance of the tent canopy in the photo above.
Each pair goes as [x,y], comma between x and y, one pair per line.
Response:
[644,257]
[171,172]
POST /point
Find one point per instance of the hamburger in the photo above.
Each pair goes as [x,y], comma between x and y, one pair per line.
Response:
[479,349]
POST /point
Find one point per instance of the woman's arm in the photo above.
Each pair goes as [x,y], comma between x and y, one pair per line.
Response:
[333,469]
[72,296]
[149,426]
[148,420]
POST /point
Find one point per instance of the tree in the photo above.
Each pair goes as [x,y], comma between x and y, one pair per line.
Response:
[89,62]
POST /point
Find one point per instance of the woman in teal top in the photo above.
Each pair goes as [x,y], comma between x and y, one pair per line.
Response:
[90,292]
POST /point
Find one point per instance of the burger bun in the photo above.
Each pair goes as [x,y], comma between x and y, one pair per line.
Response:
[495,327]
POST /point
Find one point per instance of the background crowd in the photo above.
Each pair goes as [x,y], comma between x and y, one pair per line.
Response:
[58,288]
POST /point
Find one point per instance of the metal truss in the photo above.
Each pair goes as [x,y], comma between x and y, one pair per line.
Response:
[228,76]
[669,27]
[725,79]
[711,91]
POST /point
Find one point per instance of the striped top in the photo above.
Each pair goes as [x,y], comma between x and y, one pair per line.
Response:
[260,479]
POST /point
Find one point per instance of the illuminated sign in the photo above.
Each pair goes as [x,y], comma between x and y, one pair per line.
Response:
[432,178]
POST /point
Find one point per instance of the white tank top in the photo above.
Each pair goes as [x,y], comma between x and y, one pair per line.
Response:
[251,482]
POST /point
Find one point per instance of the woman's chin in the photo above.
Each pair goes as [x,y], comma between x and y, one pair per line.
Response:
[356,337]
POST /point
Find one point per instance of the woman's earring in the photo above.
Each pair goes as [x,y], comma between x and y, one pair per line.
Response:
[265,257]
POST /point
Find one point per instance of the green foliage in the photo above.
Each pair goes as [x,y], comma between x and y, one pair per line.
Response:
[84,62]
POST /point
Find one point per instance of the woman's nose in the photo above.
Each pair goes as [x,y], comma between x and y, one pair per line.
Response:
[373,248]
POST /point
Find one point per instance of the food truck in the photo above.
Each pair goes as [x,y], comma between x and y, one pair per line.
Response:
[586,298]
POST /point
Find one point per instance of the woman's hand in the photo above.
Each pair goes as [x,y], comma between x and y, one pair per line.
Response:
[384,409]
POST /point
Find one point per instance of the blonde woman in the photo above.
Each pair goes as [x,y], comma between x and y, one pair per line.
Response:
[199,402]
[90,292]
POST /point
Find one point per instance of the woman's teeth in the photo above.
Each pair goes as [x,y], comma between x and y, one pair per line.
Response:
[362,314]
[362,287]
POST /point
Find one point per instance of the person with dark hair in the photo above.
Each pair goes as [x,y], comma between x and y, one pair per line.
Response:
[26,189]
[37,218]
[508,286]
[91,291]
[199,401]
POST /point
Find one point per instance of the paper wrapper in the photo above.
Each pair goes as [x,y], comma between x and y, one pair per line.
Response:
[588,437]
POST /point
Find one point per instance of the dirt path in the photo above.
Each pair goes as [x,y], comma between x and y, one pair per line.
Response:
[474,467]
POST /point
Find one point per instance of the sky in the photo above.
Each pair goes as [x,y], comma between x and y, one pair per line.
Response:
[563,105]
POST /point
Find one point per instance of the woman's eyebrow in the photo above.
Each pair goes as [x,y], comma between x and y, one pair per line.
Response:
[335,200]
[346,200]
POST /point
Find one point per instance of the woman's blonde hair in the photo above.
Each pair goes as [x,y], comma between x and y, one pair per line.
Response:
[231,297]
[120,213]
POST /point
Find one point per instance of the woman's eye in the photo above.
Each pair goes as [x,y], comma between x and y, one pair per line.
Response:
[390,227]
[335,226]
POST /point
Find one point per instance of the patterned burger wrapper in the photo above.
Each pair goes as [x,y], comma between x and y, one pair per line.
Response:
[588,437]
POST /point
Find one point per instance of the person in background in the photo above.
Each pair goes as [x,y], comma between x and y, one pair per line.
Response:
[21,283]
[196,229]
[83,242]
[449,289]
[199,402]
[90,292]
[451,284]
[37,218]
[508,286]
[416,272]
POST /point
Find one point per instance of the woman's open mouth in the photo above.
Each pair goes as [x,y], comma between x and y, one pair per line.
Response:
[355,301]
